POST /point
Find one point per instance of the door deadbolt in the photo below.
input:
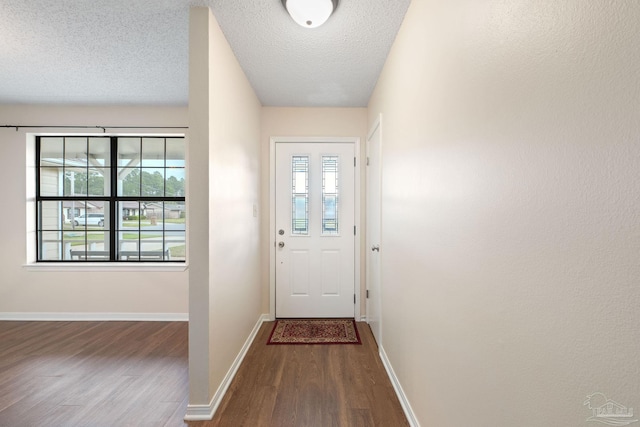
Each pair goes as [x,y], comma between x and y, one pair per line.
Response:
[281,232]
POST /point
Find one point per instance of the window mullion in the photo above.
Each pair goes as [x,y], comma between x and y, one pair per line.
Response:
[164,197]
[113,220]
[38,223]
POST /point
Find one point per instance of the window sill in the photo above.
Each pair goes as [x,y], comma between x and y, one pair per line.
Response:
[103,266]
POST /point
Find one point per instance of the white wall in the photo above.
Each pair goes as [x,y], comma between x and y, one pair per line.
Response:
[26,292]
[278,121]
[224,187]
[511,187]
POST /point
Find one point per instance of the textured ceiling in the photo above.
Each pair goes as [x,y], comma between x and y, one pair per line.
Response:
[136,51]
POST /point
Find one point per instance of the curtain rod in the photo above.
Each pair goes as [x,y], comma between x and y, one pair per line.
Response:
[104,128]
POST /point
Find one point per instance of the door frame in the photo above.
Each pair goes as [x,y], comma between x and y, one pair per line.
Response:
[375,299]
[357,285]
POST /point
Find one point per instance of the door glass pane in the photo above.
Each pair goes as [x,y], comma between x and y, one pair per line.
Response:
[300,195]
[329,195]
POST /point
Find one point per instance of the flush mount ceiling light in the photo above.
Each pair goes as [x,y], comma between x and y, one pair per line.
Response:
[310,13]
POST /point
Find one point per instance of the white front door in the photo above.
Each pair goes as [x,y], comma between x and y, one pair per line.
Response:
[373,232]
[314,225]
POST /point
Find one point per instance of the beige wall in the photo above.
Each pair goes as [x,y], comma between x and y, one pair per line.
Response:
[26,292]
[510,236]
[224,187]
[198,172]
[303,122]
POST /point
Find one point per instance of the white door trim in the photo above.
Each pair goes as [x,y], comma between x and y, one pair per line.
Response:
[272,214]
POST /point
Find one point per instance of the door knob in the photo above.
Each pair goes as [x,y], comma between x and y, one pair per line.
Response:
[375,248]
[281,245]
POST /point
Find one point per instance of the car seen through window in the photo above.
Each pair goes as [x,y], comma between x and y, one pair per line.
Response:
[90,219]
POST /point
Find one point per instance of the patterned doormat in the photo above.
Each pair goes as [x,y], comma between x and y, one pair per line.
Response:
[314,331]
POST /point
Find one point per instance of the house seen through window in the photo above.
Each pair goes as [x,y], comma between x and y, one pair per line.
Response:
[110,198]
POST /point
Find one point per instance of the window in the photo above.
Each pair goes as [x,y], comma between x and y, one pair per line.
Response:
[108,198]
[300,195]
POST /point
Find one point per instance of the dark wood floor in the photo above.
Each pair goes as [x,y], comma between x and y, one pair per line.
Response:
[135,374]
[93,373]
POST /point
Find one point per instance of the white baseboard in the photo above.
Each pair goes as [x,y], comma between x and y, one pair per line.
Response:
[206,412]
[404,402]
[95,317]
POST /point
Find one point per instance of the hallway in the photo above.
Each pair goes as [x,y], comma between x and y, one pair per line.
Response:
[310,385]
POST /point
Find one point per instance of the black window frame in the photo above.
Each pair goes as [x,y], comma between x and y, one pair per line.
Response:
[111,201]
